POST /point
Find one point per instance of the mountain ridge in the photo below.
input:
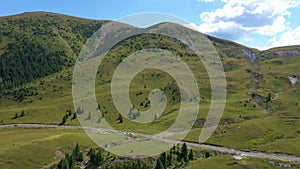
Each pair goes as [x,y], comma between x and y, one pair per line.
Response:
[259,94]
[42,13]
[56,40]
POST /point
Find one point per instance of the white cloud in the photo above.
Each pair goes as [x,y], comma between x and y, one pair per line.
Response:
[291,37]
[192,26]
[238,18]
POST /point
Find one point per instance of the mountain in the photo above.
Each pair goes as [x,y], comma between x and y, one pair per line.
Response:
[37,55]
[37,44]
[34,45]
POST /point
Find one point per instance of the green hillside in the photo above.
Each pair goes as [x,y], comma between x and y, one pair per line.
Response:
[37,56]
[35,45]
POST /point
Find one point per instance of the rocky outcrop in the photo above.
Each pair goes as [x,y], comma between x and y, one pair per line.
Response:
[261,101]
[287,53]
[257,98]
[294,80]
[257,77]
[250,55]
[269,109]
[276,52]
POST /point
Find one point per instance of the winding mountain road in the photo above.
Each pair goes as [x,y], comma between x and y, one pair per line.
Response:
[202,146]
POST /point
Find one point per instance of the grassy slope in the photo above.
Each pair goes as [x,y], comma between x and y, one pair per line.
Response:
[277,131]
[227,162]
[41,44]
[243,127]
[34,148]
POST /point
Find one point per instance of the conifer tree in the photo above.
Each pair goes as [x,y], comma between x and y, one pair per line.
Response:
[170,158]
[120,118]
[74,116]
[184,152]
[159,164]
[191,155]
[64,120]
[163,159]
[22,113]
[16,116]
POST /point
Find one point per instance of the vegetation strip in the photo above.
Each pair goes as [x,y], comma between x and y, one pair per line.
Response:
[203,146]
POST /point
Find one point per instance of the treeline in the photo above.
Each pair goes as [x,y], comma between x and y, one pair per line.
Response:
[19,94]
[35,45]
[70,161]
[177,157]
[25,60]
[135,164]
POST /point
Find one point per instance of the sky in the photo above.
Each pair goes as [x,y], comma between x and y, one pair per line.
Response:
[259,24]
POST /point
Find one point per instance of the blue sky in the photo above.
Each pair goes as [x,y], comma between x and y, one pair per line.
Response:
[254,23]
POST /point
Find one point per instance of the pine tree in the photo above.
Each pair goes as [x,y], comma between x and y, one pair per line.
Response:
[177,148]
[184,152]
[139,164]
[130,114]
[63,164]
[69,112]
[72,162]
[99,158]
[89,116]
[163,159]
[170,159]
[67,165]
[16,116]
[179,157]
[64,120]
[68,160]
[173,149]
[77,149]
[92,155]
[191,155]
[80,157]
[207,154]
[77,154]
[159,164]
[74,116]
[90,151]
[79,110]
[120,118]
[268,99]
[99,119]
[22,113]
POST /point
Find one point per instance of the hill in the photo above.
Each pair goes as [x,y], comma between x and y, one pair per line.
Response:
[35,45]
[37,56]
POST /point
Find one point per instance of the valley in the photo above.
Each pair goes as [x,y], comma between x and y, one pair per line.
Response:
[37,55]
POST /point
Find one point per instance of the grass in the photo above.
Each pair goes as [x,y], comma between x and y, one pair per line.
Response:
[47,107]
[258,135]
[36,147]
[240,116]
[227,162]
[244,125]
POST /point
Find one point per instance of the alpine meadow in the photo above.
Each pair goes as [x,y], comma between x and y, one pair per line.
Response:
[39,126]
